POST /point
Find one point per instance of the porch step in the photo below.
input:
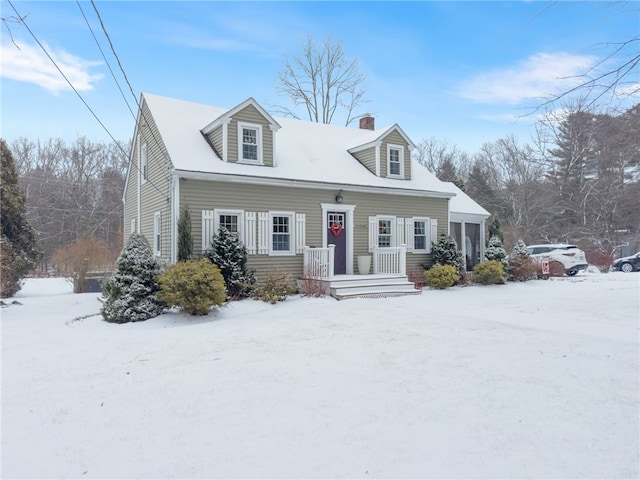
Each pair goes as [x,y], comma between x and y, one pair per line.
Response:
[371,286]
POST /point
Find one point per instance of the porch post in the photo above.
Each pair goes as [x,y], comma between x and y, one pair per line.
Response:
[403,259]
[332,248]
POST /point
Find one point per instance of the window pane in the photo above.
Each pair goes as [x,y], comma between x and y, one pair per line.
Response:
[420,235]
[281,235]
[249,144]
[230,222]
[384,233]
[394,162]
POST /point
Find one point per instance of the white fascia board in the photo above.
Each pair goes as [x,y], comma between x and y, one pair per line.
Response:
[131,146]
[467,217]
[284,182]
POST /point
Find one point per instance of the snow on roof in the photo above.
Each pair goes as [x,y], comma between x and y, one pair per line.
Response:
[305,151]
[463,203]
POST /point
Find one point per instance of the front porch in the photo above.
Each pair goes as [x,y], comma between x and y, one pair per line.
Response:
[389,277]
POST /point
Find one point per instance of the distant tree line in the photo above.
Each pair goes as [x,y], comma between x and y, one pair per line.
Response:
[578,180]
[73,193]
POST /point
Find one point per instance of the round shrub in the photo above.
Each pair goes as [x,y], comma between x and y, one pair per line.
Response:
[441,276]
[489,272]
[194,286]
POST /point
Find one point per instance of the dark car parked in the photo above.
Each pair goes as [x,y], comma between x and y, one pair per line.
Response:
[627,264]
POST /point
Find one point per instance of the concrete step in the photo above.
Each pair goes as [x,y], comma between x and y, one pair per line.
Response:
[374,290]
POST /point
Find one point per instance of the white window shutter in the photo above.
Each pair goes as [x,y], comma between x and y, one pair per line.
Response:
[263,233]
[408,233]
[373,233]
[300,232]
[250,232]
[400,233]
[207,229]
[434,234]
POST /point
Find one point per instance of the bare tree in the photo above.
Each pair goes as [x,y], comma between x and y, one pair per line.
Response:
[322,81]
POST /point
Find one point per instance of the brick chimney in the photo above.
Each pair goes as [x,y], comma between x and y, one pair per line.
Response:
[367,122]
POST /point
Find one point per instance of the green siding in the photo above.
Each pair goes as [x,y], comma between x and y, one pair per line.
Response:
[396,139]
[251,115]
[203,195]
[155,192]
[367,158]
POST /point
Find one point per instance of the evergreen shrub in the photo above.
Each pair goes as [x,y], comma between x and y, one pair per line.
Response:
[445,252]
[130,293]
[230,255]
[489,272]
[194,286]
[441,276]
[276,288]
[521,265]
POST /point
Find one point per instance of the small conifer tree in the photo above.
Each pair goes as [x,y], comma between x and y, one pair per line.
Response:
[446,252]
[495,230]
[230,255]
[185,240]
[495,251]
[131,292]
[521,266]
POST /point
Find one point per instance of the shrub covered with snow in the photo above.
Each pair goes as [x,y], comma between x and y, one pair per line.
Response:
[441,276]
[489,272]
[131,292]
[495,251]
[521,265]
[230,255]
[194,286]
[445,252]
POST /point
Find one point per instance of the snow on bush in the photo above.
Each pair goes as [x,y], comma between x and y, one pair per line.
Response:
[131,292]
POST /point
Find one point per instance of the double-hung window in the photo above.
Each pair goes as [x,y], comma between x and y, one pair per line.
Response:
[420,234]
[143,163]
[395,161]
[157,234]
[282,242]
[385,232]
[249,142]
[232,220]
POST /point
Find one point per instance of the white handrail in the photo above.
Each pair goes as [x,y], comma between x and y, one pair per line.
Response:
[391,260]
[319,262]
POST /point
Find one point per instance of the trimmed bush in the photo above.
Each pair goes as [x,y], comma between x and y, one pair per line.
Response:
[489,272]
[194,286]
[441,276]
[276,288]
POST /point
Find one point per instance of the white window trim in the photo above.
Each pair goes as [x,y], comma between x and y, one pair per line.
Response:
[157,234]
[258,128]
[400,148]
[292,238]
[392,239]
[144,163]
[427,234]
[239,213]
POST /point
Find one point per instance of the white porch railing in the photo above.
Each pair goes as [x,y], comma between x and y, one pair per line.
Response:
[391,260]
[319,262]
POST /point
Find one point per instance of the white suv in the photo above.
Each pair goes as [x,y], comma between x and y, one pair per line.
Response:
[570,256]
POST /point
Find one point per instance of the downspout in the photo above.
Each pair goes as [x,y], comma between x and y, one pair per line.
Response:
[139,175]
[175,200]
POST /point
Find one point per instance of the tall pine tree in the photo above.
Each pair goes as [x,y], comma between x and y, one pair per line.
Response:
[19,249]
[185,240]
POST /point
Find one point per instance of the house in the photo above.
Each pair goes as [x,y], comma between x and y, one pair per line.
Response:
[303,197]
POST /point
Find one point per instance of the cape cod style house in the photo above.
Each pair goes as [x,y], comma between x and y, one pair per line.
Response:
[307,198]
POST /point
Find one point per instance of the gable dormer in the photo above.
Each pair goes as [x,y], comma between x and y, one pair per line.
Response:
[245,134]
[386,152]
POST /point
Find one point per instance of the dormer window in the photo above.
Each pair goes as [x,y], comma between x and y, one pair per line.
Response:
[249,143]
[395,161]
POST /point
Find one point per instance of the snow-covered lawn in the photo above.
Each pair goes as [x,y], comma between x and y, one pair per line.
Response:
[532,380]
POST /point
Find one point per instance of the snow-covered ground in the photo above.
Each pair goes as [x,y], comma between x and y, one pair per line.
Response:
[532,380]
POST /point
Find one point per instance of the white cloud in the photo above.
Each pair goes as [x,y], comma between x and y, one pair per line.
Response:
[30,64]
[533,78]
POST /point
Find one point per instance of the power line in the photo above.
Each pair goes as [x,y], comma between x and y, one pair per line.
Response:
[105,59]
[22,20]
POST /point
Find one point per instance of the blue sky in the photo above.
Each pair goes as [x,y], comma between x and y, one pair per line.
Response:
[465,72]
